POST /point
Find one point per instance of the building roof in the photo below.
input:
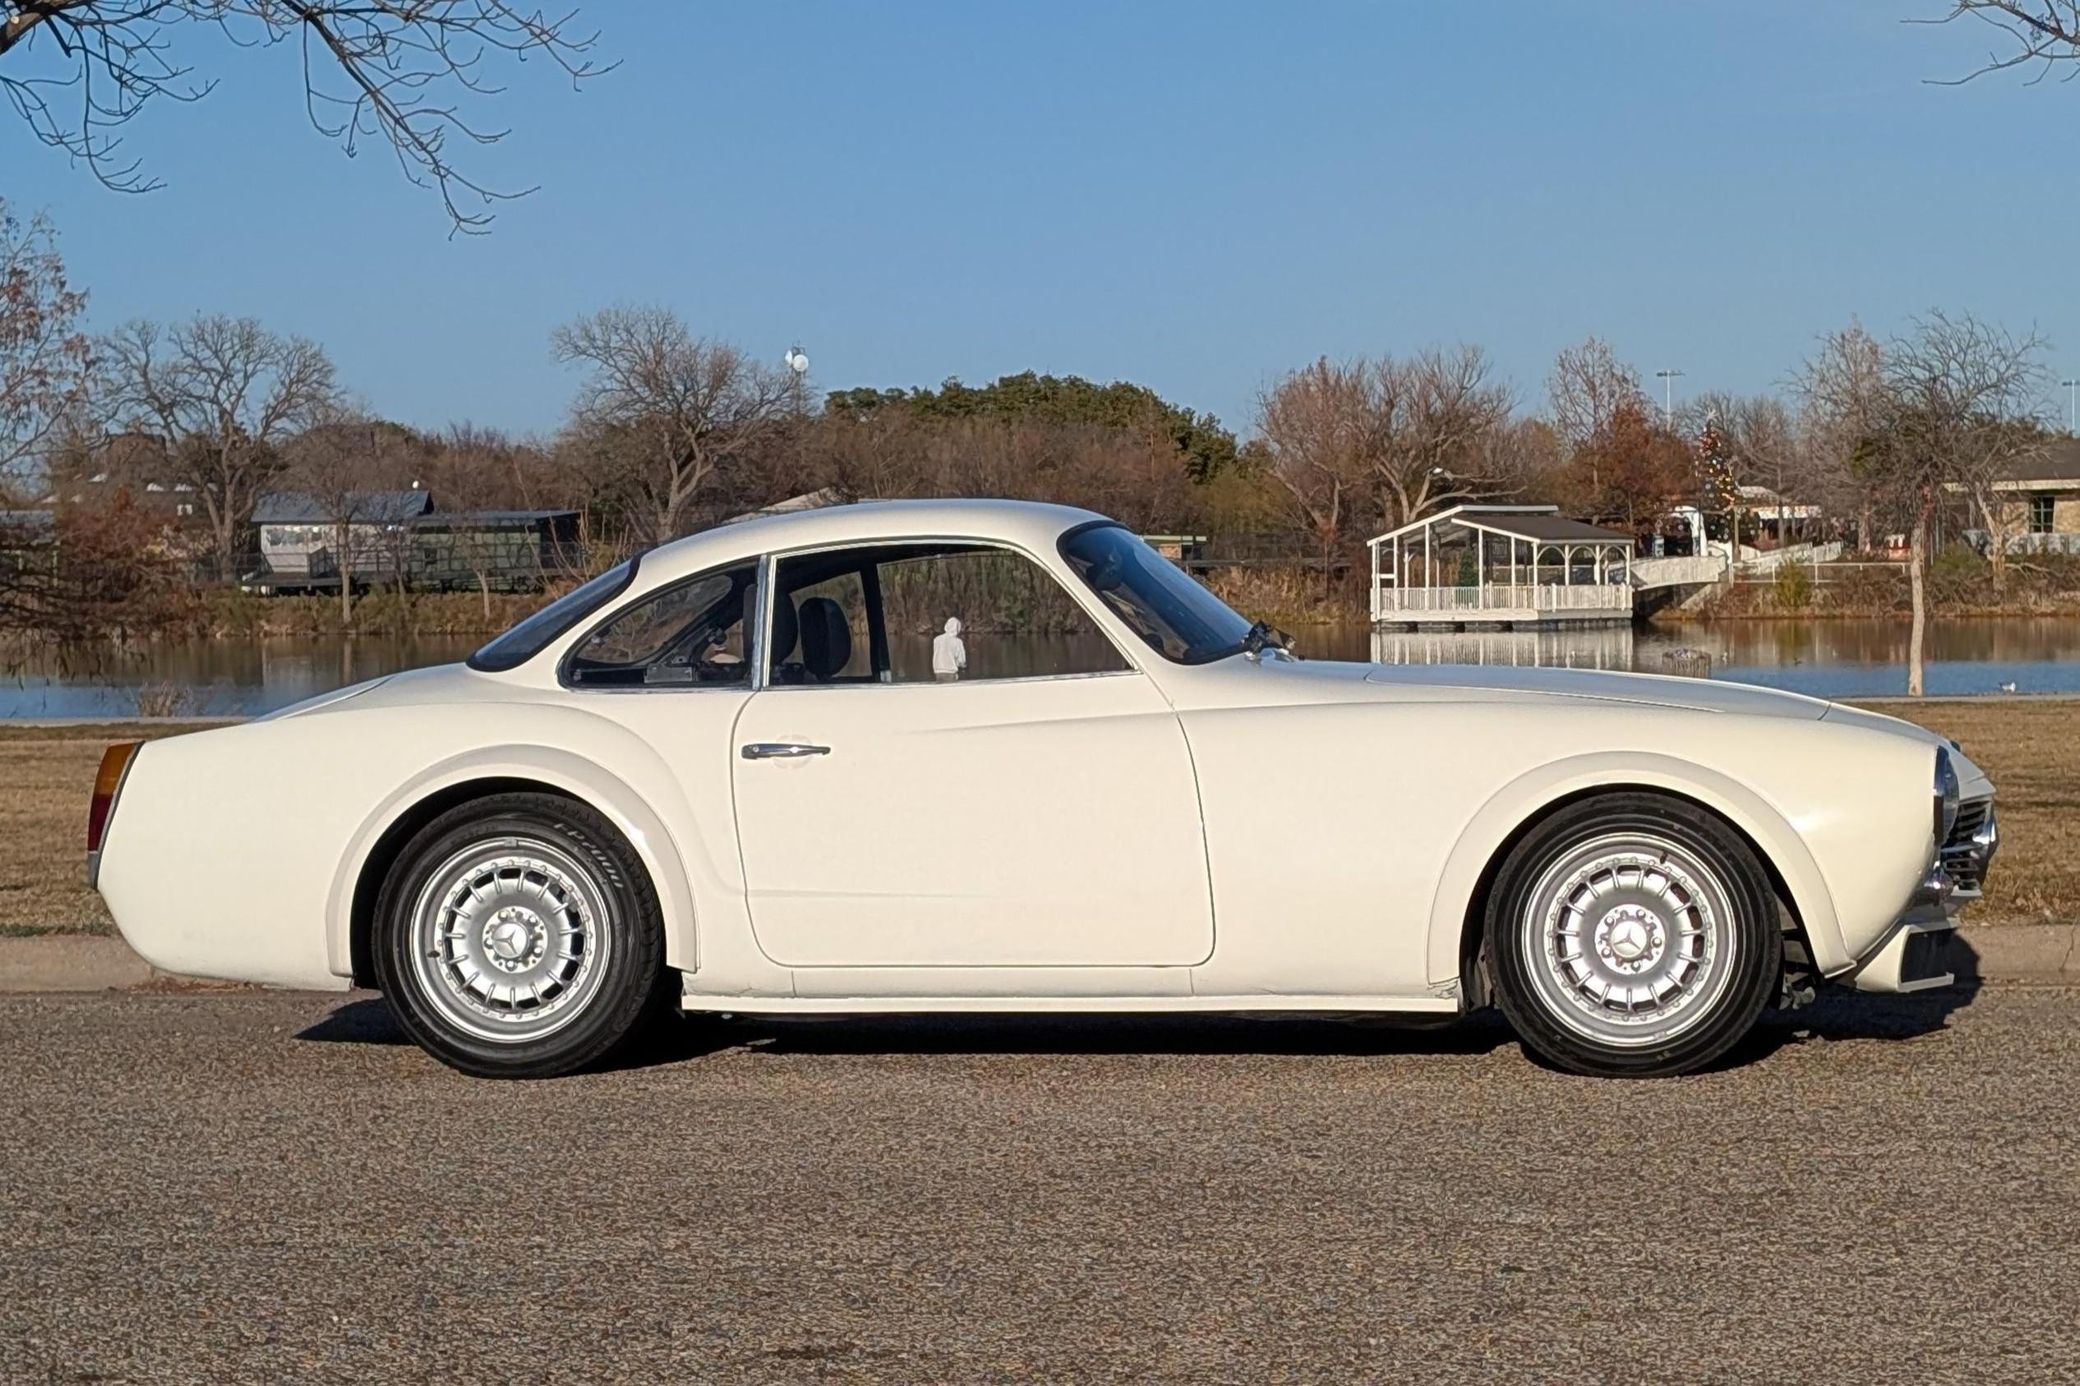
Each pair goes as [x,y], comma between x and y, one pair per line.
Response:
[490,517]
[368,508]
[1548,529]
[1542,524]
[2058,460]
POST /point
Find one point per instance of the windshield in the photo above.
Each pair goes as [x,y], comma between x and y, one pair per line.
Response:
[528,639]
[1158,600]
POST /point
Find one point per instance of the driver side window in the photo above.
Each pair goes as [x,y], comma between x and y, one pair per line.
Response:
[688,634]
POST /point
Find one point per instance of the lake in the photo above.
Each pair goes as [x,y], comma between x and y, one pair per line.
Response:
[1835,659]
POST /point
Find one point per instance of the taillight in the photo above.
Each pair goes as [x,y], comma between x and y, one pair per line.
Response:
[108,783]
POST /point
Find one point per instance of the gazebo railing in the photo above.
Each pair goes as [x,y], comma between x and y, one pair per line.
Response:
[1594,596]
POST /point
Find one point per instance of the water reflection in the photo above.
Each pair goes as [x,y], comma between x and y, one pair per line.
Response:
[1836,659]
[215,677]
[1828,658]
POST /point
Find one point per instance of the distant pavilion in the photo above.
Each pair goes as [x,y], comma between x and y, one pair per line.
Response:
[1501,565]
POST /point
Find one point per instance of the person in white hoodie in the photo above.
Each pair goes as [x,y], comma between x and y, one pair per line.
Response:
[949,655]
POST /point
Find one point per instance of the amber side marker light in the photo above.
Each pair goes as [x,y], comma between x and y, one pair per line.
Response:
[108,785]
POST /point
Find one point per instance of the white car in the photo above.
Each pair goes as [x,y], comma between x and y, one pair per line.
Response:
[726,777]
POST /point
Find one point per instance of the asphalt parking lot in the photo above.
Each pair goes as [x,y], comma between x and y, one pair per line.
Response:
[263,1187]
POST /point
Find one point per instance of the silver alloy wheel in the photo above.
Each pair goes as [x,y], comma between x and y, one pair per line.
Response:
[510,939]
[1630,938]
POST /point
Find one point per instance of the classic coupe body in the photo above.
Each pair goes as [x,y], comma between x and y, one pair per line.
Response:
[744,773]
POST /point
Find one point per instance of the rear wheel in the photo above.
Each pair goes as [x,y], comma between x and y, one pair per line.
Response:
[519,937]
[1633,935]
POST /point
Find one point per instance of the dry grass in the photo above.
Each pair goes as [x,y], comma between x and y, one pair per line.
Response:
[2030,747]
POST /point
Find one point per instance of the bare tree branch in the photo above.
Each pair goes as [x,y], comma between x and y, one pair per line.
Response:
[664,410]
[396,70]
[2040,34]
[222,396]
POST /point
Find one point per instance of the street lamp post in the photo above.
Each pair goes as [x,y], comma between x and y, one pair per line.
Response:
[797,362]
[1668,396]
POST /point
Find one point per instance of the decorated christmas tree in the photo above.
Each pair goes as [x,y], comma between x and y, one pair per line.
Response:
[1722,491]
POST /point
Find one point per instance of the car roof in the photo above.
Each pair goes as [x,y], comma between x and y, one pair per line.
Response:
[1031,525]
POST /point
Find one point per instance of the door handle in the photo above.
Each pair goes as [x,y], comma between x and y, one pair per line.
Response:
[782,750]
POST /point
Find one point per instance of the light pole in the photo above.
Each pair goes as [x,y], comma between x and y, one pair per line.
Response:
[2072,422]
[798,362]
[1668,396]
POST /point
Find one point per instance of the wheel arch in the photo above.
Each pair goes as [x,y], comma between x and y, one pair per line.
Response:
[1459,903]
[539,770]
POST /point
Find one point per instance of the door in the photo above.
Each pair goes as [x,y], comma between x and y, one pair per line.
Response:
[899,808]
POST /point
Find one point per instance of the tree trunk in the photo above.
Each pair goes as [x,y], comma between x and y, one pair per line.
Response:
[1863,529]
[1996,542]
[342,560]
[484,590]
[1917,585]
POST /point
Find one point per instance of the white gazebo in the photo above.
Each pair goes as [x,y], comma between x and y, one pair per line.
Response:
[1497,565]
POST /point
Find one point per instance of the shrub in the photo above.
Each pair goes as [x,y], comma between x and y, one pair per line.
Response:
[1793,587]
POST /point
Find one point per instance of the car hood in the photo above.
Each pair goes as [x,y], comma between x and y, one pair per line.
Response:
[1656,690]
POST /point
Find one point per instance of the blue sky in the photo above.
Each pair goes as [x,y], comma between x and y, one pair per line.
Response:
[1197,196]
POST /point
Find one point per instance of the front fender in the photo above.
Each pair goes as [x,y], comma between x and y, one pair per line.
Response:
[1534,792]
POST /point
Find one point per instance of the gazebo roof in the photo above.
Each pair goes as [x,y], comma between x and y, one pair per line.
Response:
[1540,524]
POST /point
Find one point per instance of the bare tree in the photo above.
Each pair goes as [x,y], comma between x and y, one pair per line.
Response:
[1322,425]
[662,410]
[1843,405]
[45,357]
[222,395]
[2039,34]
[1960,399]
[1389,440]
[1438,439]
[1588,388]
[399,71]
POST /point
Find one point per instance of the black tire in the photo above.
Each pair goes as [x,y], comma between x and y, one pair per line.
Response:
[1545,976]
[626,938]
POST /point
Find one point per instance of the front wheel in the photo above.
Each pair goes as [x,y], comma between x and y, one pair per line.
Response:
[1633,935]
[519,937]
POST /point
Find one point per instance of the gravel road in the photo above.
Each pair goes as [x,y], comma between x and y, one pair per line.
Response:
[272,1187]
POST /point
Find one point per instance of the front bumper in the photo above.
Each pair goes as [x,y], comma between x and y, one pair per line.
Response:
[1914,955]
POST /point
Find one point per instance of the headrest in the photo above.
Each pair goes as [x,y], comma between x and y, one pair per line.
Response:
[826,638]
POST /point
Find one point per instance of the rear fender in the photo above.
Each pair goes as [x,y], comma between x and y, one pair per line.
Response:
[580,778]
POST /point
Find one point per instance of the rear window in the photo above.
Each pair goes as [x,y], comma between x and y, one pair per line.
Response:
[535,634]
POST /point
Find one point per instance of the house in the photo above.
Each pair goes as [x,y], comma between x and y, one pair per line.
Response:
[504,550]
[2035,503]
[311,540]
[308,543]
